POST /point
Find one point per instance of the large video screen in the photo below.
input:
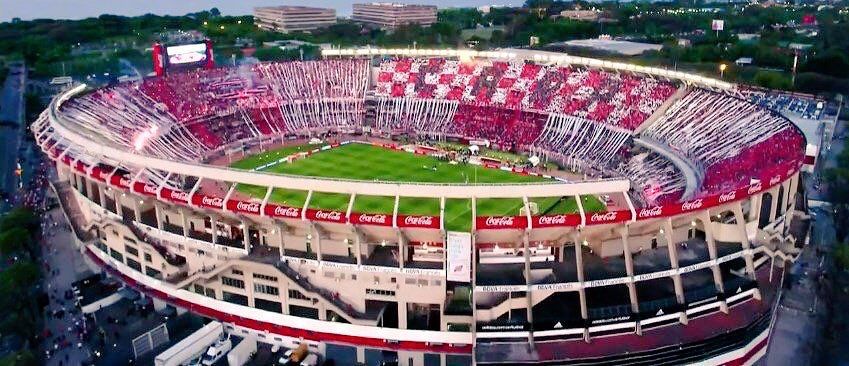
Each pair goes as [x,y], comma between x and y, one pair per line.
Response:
[186,54]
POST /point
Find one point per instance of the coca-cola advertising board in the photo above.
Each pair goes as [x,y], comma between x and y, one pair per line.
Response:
[501,222]
[609,217]
[119,181]
[172,195]
[326,215]
[419,221]
[371,219]
[556,220]
[284,212]
[245,207]
[147,189]
[459,257]
[97,173]
[205,201]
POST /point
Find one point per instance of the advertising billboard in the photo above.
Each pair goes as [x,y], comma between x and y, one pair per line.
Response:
[186,54]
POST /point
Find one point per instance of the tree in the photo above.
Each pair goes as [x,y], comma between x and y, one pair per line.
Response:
[214,12]
[841,256]
[14,240]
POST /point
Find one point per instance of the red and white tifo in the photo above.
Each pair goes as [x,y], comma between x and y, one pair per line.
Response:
[682,265]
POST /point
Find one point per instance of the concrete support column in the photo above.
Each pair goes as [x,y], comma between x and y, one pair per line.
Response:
[744,242]
[136,209]
[704,217]
[402,249]
[528,293]
[579,265]
[159,215]
[213,222]
[316,238]
[246,240]
[282,237]
[102,194]
[358,247]
[185,222]
[672,247]
[629,269]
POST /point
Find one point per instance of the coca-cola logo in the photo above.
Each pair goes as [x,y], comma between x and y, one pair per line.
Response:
[552,220]
[774,180]
[124,182]
[373,219]
[727,197]
[328,215]
[603,217]
[418,221]
[691,205]
[247,206]
[651,212]
[177,195]
[212,201]
[101,175]
[286,211]
[148,189]
[755,187]
[499,221]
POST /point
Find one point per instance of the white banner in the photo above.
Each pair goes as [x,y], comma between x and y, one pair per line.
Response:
[459,256]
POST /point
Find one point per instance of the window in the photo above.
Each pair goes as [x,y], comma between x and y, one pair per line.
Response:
[232,282]
[295,294]
[210,292]
[378,292]
[234,298]
[148,257]
[268,305]
[266,289]
[131,250]
[150,271]
[134,264]
[199,289]
[260,276]
[116,254]
[238,272]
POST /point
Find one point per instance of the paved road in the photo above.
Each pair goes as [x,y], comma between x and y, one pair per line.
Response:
[797,325]
[11,110]
[63,265]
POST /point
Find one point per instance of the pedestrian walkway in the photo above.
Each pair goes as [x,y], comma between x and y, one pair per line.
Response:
[63,264]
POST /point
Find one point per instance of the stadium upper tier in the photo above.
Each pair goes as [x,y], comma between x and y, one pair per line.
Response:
[704,142]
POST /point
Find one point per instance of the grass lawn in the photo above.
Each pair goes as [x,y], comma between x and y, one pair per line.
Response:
[369,163]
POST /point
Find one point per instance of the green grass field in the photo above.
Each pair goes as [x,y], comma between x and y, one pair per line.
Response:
[369,163]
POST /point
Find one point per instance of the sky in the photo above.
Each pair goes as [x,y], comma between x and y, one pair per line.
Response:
[78,9]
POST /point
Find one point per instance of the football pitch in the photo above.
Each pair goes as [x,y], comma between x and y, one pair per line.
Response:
[373,163]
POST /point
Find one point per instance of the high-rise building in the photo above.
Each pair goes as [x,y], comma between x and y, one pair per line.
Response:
[392,15]
[287,19]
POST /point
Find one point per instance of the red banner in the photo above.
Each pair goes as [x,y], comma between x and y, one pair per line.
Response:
[326,215]
[609,217]
[205,201]
[282,211]
[172,195]
[245,207]
[97,173]
[371,219]
[501,222]
[416,221]
[556,220]
[119,181]
[147,189]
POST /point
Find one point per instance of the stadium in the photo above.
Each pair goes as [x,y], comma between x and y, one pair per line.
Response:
[443,207]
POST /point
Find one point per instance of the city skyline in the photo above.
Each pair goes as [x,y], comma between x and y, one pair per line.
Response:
[75,9]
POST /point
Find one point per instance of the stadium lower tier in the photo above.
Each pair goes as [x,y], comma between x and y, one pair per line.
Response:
[693,287]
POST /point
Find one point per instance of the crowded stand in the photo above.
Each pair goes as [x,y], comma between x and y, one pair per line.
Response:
[656,181]
[582,142]
[722,134]
[621,100]
[584,119]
